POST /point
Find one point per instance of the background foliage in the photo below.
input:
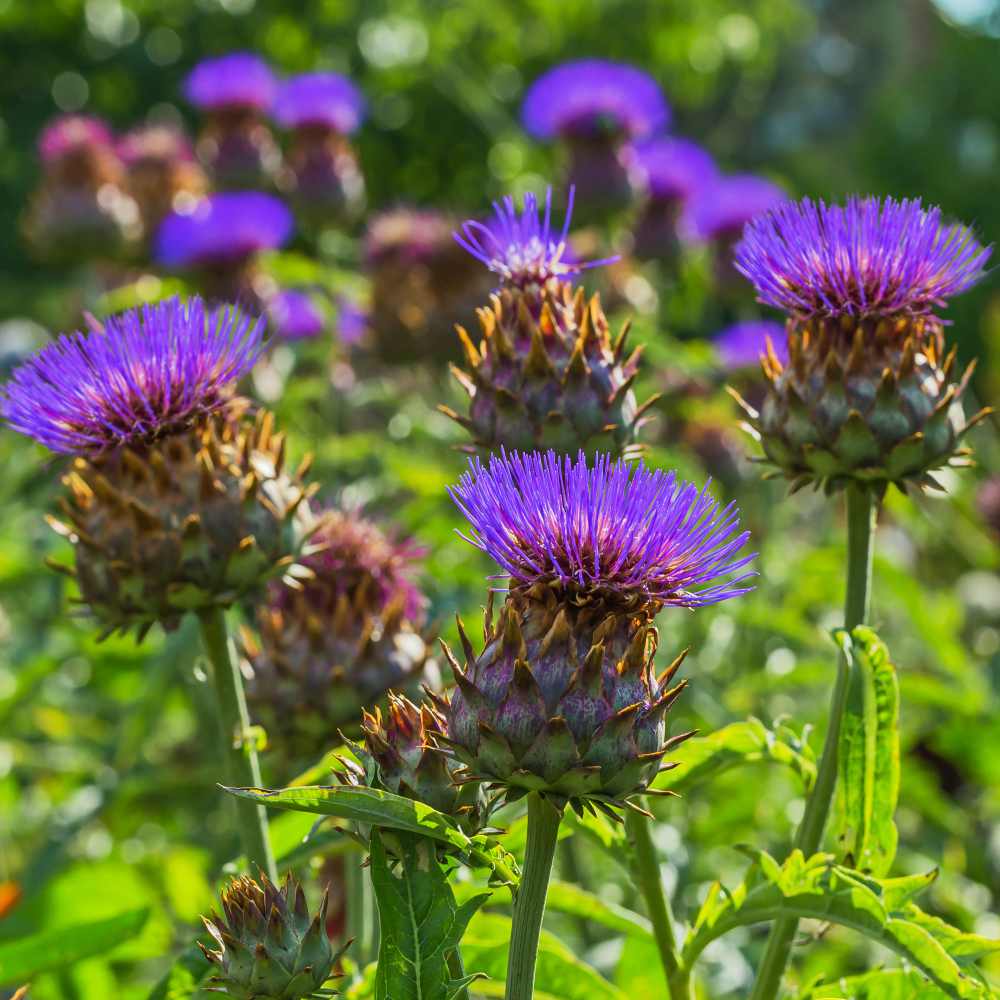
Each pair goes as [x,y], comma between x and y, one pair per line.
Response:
[107,769]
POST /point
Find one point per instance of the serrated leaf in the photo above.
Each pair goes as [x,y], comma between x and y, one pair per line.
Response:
[737,745]
[383,810]
[420,922]
[964,948]
[883,984]
[25,958]
[558,972]
[868,779]
[817,888]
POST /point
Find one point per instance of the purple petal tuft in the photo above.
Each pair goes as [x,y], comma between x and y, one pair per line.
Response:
[236,80]
[326,99]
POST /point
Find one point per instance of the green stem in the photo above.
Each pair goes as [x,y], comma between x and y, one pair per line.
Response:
[456,967]
[646,875]
[862,512]
[243,769]
[360,918]
[529,905]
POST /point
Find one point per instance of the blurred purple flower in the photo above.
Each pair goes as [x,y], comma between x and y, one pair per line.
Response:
[325,99]
[594,96]
[223,228]
[870,257]
[236,80]
[295,315]
[69,133]
[412,234]
[155,142]
[615,531]
[721,209]
[352,322]
[671,169]
[143,373]
[741,345]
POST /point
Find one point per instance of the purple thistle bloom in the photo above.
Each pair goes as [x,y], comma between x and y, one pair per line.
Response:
[724,207]
[144,373]
[616,531]
[352,321]
[592,96]
[223,228]
[522,249]
[325,99]
[295,315]
[742,344]
[236,80]
[871,257]
[155,142]
[671,169]
[69,133]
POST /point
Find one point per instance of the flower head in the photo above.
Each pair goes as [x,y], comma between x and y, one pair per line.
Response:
[353,321]
[742,344]
[295,315]
[870,257]
[522,248]
[223,228]
[722,208]
[70,133]
[615,533]
[155,142]
[236,80]
[670,168]
[325,99]
[591,97]
[144,373]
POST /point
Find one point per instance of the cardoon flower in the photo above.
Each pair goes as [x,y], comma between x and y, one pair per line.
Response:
[399,753]
[868,393]
[353,322]
[296,315]
[719,211]
[267,945]
[80,210]
[594,106]
[330,645]
[547,372]
[235,91]
[563,699]
[422,285]
[742,345]
[220,237]
[321,169]
[670,171]
[162,172]
[174,503]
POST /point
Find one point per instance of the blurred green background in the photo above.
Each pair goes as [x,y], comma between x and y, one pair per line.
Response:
[107,797]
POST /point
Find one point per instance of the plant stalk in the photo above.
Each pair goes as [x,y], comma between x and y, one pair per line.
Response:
[529,905]
[646,875]
[862,513]
[360,915]
[242,766]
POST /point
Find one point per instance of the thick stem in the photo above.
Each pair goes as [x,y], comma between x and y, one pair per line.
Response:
[862,512]
[646,875]
[242,767]
[361,918]
[529,906]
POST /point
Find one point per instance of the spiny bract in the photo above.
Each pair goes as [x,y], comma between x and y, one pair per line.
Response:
[547,373]
[268,946]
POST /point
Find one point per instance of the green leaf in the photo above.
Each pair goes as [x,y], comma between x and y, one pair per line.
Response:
[868,779]
[558,973]
[883,984]
[964,948]
[817,888]
[25,958]
[420,921]
[737,745]
[383,810]
[565,897]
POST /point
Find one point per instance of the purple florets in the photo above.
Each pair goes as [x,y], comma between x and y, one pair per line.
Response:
[593,97]
[155,142]
[870,257]
[295,315]
[223,228]
[239,80]
[68,133]
[671,168]
[724,207]
[615,532]
[742,344]
[325,99]
[144,373]
[522,248]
